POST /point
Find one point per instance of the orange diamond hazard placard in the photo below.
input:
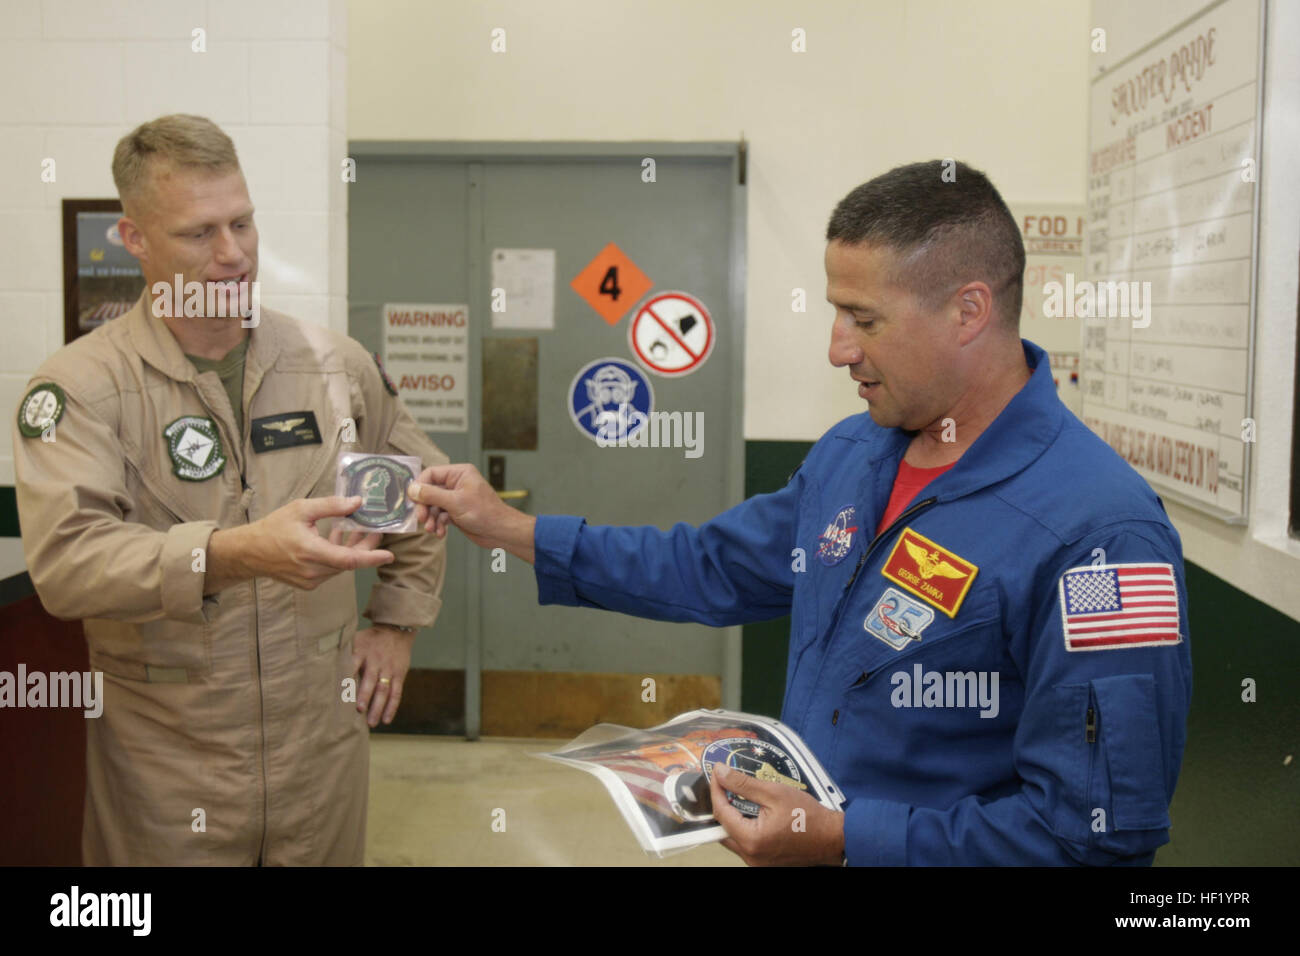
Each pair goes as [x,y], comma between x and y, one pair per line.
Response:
[610,283]
[672,334]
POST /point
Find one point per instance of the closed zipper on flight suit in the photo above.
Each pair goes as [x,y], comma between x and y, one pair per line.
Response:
[245,503]
[848,587]
[246,500]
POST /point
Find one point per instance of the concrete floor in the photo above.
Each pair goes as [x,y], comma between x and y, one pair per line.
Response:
[432,801]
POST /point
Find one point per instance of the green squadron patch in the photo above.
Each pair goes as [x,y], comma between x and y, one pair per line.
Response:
[195,448]
[41,408]
[381,482]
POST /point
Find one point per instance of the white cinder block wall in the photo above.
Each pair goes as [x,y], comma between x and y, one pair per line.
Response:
[75,75]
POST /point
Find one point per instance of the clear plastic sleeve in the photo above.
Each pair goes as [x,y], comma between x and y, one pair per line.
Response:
[659,778]
[381,482]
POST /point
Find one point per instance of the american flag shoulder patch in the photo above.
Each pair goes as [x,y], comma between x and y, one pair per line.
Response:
[1119,605]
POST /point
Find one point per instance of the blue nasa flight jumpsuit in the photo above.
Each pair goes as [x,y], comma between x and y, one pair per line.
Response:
[1079,762]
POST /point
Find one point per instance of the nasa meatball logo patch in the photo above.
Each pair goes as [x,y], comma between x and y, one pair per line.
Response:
[837,540]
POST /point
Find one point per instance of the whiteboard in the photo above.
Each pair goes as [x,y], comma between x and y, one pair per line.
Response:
[1174,132]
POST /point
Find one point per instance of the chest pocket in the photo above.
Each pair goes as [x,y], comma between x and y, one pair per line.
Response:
[160,499]
[284,462]
[829,544]
[890,625]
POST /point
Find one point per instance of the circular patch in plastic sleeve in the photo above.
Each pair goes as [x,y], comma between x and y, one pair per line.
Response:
[759,759]
[381,482]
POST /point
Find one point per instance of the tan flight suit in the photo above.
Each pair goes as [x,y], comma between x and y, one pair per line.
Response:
[232,704]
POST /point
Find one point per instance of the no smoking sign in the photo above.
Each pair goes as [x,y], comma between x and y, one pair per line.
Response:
[672,334]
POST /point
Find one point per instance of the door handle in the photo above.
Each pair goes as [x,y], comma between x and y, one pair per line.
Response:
[497,479]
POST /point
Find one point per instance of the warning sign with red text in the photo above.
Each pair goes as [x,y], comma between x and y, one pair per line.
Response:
[426,353]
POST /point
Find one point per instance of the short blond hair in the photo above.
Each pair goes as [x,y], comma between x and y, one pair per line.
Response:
[180,139]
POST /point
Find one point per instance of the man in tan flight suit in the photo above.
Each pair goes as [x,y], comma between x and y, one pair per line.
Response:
[171,469]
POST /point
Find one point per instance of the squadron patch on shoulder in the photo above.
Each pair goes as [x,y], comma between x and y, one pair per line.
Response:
[930,571]
[388,382]
[195,448]
[40,408]
[1119,605]
[837,540]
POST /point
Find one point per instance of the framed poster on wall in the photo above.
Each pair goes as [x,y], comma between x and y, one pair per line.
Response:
[101,280]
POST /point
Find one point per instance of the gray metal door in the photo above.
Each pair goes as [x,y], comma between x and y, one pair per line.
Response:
[426,221]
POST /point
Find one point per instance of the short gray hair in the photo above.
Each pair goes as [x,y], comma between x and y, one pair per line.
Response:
[945,232]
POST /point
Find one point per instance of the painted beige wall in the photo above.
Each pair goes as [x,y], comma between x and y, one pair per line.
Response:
[1001,84]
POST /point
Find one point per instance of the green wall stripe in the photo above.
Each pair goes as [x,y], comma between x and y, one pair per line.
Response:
[768,465]
[1237,798]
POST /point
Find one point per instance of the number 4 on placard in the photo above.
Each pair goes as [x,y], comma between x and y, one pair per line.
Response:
[609,284]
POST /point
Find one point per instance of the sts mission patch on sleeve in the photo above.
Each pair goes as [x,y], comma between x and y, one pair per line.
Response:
[1119,605]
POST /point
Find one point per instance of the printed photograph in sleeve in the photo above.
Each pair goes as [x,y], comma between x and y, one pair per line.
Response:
[659,778]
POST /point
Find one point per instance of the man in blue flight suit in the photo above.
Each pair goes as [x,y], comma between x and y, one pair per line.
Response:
[989,647]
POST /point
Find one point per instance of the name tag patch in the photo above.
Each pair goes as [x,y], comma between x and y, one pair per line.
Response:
[286,430]
[930,571]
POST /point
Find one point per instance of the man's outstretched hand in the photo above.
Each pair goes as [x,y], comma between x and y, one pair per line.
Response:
[286,546]
[459,495]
